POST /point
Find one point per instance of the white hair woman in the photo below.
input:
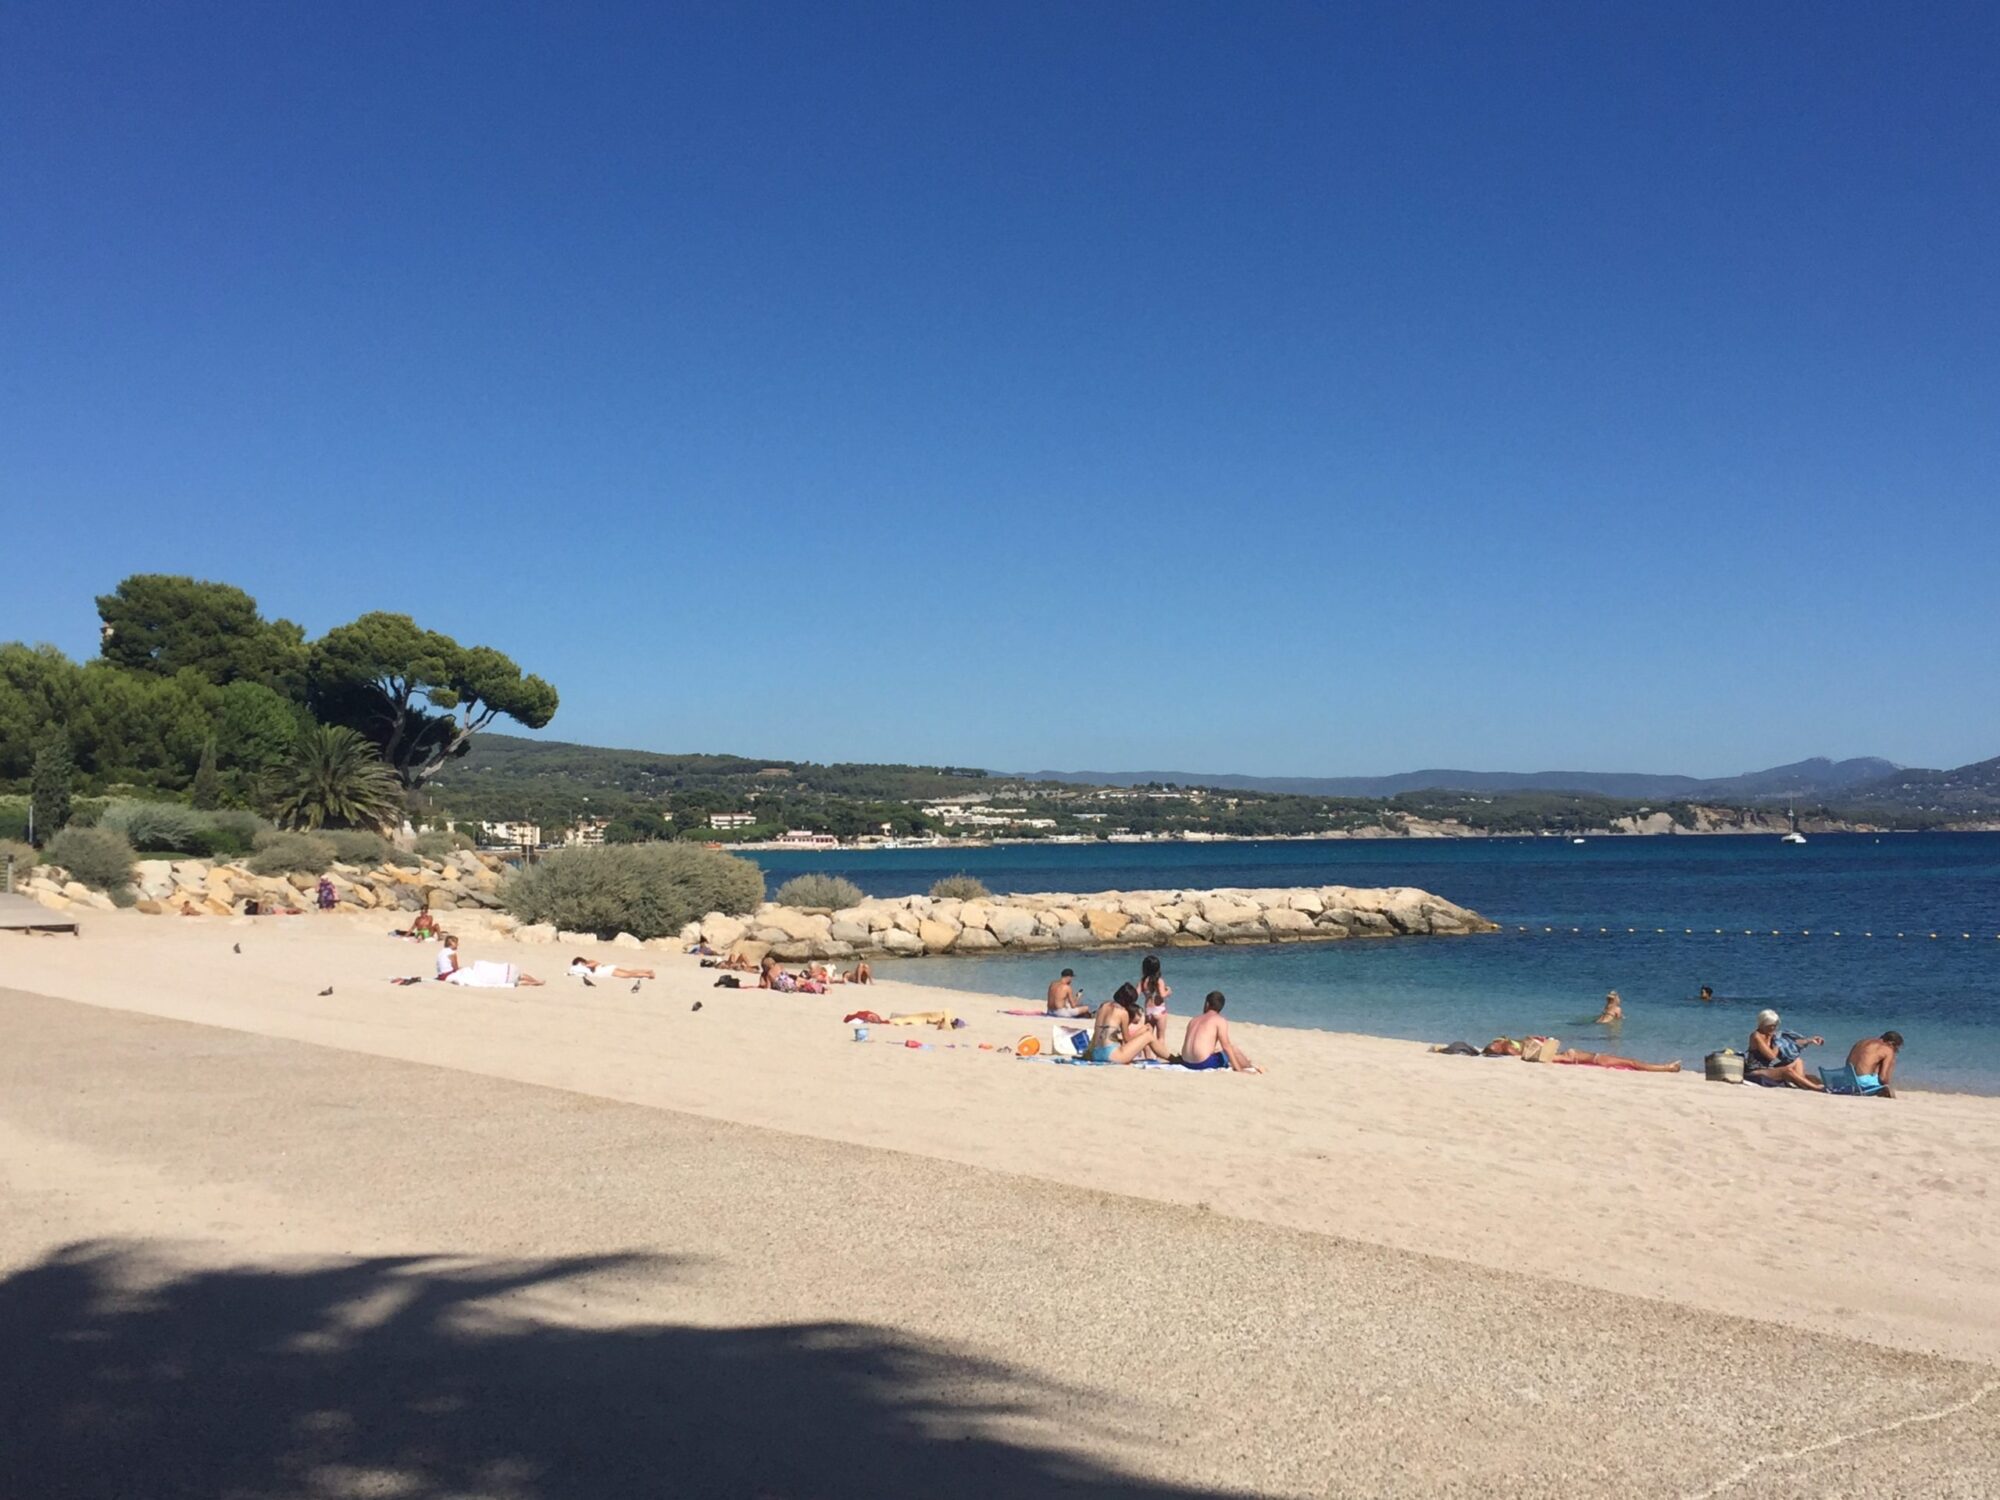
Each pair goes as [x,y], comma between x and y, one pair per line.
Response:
[1777,1057]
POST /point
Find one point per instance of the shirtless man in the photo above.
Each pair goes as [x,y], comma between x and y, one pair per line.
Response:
[1207,1043]
[1120,1034]
[1063,998]
[1875,1057]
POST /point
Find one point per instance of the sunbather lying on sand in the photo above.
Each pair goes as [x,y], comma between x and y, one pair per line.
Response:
[1504,1046]
[580,966]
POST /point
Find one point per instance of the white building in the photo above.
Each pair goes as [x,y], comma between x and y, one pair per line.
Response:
[511,835]
[731,820]
[588,834]
[805,838]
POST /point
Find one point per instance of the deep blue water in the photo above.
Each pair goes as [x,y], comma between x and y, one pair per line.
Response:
[1822,971]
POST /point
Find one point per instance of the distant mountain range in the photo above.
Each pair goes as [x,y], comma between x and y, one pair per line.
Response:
[1818,779]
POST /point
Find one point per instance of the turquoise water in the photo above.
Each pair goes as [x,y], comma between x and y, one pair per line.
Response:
[1942,993]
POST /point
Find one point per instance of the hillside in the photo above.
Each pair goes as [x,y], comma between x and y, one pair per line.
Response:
[1971,790]
[1815,779]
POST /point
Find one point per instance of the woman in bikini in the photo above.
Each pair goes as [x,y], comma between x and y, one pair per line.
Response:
[1153,992]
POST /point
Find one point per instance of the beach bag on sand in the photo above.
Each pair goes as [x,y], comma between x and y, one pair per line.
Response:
[1066,1043]
[1725,1066]
[1540,1049]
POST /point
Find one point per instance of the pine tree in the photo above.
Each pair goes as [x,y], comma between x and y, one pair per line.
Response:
[50,782]
[206,793]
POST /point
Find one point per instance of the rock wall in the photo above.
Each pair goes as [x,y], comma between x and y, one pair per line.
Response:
[457,882]
[913,925]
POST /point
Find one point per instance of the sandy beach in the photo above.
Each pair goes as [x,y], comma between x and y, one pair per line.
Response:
[1370,1271]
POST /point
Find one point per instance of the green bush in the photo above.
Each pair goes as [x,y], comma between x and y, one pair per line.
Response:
[23,855]
[101,858]
[649,890]
[292,854]
[157,827]
[439,842]
[355,846]
[829,891]
[959,887]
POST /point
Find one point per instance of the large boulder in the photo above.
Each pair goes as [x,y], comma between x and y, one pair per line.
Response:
[1226,911]
[627,940]
[153,878]
[902,944]
[937,936]
[720,932]
[1010,924]
[1287,923]
[1074,935]
[1105,926]
[797,926]
[856,934]
[975,940]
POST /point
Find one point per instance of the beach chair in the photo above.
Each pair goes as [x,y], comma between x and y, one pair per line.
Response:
[1841,1080]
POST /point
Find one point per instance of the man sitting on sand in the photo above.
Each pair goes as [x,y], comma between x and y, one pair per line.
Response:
[1775,1059]
[1064,1000]
[1874,1061]
[1121,1034]
[1206,1043]
[584,968]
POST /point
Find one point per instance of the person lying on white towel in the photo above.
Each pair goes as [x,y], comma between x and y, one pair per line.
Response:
[484,974]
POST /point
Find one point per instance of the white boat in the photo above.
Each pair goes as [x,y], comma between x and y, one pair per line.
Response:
[1576,841]
[1793,838]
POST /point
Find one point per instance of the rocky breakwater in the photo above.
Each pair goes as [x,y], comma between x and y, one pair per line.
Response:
[911,926]
[457,882]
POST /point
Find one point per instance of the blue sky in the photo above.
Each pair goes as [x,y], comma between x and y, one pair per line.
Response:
[1273,388]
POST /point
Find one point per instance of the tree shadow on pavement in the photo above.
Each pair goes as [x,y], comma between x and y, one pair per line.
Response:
[126,1373]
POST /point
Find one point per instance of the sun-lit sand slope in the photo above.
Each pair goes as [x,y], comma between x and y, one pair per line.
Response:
[1866,1218]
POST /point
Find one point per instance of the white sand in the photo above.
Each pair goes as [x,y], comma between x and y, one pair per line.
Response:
[1868,1218]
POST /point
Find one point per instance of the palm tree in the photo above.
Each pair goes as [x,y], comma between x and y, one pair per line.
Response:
[335,779]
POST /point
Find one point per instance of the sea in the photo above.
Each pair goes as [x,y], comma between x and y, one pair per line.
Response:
[1846,936]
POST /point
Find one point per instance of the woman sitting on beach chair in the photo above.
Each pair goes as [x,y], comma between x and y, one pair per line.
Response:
[1776,1057]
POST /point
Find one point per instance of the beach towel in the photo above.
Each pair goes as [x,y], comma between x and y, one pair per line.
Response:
[1067,1013]
[938,1018]
[486,974]
[868,1017]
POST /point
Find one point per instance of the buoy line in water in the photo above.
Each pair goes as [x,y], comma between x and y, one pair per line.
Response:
[1746,932]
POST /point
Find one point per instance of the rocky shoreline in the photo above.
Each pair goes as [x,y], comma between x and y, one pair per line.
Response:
[913,926]
[465,889]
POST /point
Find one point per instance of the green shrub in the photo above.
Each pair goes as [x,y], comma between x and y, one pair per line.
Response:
[291,854]
[14,818]
[101,858]
[157,827]
[355,846]
[439,842]
[649,890]
[829,891]
[959,887]
[23,855]
[233,832]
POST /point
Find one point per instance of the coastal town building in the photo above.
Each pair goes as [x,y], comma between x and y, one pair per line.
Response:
[511,835]
[587,834]
[805,838]
[731,820]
